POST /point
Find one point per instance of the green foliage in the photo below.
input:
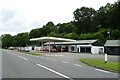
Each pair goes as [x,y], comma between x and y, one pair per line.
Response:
[22,39]
[115,34]
[33,53]
[0,42]
[66,27]
[53,34]
[35,33]
[100,37]
[50,27]
[96,35]
[84,20]
[111,66]
[71,35]
[69,27]
[7,40]
[86,36]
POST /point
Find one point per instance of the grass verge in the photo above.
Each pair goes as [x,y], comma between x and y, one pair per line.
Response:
[33,53]
[109,66]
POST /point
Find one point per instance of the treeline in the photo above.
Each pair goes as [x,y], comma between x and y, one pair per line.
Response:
[87,23]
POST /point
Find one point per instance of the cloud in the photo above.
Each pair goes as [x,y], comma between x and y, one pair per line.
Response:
[24,15]
[7,15]
[11,22]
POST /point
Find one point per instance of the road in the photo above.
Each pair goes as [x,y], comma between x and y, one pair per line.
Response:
[20,65]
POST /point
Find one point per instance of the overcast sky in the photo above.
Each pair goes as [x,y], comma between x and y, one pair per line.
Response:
[18,16]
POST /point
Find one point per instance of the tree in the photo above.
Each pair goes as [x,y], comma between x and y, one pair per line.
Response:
[71,36]
[109,16]
[53,34]
[115,34]
[83,19]
[86,36]
[50,27]
[35,33]
[100,37]
[66,27]
[69,28]
[23,39]
[61,27]
[7,40]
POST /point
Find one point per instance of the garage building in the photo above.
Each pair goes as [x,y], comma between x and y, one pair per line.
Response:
[83,46]
[112,47]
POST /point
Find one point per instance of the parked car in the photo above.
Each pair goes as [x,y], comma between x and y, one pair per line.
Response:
[63,50]
[20,49]
[11,48]
[26,49]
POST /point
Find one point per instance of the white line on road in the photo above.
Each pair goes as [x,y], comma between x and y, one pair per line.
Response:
[54,71]
[102,70]
[77,65]
[22,57]
[19,56]
[64,61]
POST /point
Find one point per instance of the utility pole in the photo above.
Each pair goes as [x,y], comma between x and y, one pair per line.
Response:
[108,34]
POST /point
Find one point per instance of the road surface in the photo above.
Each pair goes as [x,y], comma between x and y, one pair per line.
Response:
[20,65]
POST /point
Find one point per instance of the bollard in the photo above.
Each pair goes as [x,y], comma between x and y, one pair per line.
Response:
[105,58]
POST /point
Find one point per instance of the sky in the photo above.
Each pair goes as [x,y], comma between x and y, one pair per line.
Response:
[17,16]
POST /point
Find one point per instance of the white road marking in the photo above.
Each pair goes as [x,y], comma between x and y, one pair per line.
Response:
[22,57]
[64,61]
[54,71]
[102,70]
[77,65]
[19,56]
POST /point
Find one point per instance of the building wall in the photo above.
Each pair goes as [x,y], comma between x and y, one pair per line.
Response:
[97,50]
[112,50]
[86,49]
[77,48]
[71,48]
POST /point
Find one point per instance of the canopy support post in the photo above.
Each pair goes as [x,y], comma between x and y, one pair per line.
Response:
[61,47]
[42,46]
[49,46]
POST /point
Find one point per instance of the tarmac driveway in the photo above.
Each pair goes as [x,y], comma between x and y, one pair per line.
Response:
[74,57]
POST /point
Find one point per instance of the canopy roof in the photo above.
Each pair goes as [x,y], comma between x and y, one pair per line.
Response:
[52,39]
[75,42]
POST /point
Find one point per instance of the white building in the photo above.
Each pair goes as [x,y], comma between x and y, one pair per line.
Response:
[81,46]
